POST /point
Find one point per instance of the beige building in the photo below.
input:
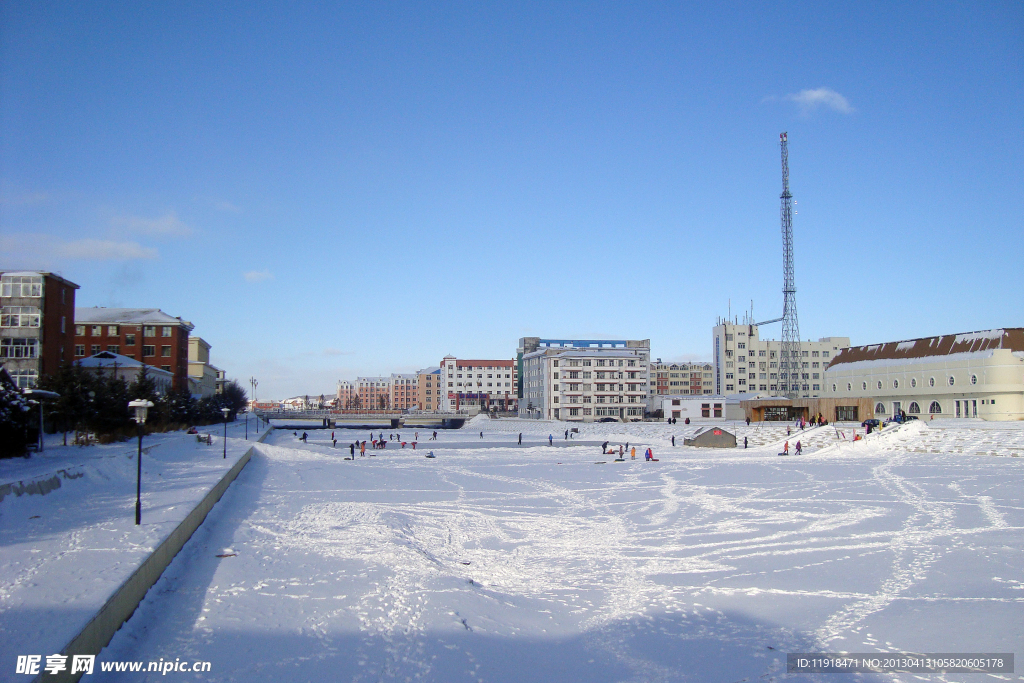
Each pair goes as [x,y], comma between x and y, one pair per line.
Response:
[746,363]
[485,384]
[585,385]
[974,374]
[428,389]
[202,376]
[678,379]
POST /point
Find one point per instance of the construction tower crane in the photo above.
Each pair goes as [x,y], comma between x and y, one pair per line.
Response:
[790,362]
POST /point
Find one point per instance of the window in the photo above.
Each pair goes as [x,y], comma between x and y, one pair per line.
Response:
[80,330]
[931,381]
[94,349]
[555,363]
[849,386]
[974,379]
[113,348]
[148,350]
[19,348]
[895,384]
[879,408]
[935,408]
[79,349]
[833,387]
[879,384]
[913,381]
[148,330]
[814,354]
[19,316]
[741,345]
[129,339]
[914,409]
[951,380]
[26,379]
[21,285]
[111,330]
[165,351]
[165,367]
[167,331]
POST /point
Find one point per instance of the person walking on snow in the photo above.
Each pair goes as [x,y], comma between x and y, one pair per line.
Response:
[632,453]
[604,448]
[566,434]
[785,448]
[798,448]
[352,450]
[362,449]
[551,440]
[520,438]
[744,442]
[673,440]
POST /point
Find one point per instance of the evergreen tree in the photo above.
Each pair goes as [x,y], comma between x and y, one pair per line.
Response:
[15,420]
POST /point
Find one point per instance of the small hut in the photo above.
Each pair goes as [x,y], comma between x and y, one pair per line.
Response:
[716,437]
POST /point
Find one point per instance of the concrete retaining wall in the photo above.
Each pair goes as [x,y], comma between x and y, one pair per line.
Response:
[98,632]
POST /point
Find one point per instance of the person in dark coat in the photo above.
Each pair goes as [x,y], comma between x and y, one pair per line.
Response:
[520,438]
[604,448]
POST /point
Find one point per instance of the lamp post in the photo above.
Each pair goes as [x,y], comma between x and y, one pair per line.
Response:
[255,383]
[141,407]
[225,411]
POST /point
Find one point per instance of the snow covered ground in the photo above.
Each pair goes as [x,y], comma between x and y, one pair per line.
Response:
[499,562]
[63,554]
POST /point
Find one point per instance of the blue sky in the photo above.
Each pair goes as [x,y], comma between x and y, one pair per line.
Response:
[331,190]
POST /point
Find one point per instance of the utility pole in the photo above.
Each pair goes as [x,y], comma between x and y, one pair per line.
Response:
[790,325]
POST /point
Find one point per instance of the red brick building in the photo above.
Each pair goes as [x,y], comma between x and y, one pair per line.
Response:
[146,334]
[36,313]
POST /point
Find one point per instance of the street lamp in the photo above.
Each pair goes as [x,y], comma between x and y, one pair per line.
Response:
[141,407]
[225,411]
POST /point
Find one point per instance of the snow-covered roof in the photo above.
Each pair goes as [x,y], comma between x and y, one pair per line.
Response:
[107,359]
[948,345]
[127,316]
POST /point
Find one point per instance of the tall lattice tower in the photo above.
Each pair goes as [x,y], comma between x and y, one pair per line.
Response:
[790,325]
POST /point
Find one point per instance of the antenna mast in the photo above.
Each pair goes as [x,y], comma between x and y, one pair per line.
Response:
[791,356]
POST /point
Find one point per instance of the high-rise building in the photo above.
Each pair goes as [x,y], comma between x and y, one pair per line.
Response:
[37,311]
[744,363]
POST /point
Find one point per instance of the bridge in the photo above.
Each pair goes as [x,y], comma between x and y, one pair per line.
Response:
[371,419]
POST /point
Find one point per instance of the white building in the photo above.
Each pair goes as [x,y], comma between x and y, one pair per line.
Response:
[585,385]
[746,363]
[488,384]
[975,374]
[678,379]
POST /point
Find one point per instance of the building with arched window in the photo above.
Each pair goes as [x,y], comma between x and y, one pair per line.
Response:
[975,374]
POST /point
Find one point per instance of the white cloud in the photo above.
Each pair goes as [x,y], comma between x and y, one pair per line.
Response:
[258,275]
[43,249]
[809,100]
[167,225]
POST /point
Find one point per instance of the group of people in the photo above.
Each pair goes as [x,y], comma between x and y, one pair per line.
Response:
[623,449]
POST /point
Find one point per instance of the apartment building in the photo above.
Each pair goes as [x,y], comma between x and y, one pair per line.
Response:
[403,391]
[373,393]
[532,344]
[202,375]
[428,389]
[678,379]
[37,311]
[487,384]
[744,363]
[967,375]
[146,334]
[348,395]
[585,385]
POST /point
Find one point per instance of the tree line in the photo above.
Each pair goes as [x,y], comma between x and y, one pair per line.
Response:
[97,402]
